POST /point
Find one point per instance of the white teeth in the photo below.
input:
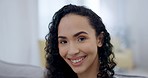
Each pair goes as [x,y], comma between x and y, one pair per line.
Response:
[76,61]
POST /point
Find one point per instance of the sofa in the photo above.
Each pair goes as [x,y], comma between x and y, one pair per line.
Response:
[11,70]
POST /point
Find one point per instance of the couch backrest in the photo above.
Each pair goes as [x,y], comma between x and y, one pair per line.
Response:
[10,70]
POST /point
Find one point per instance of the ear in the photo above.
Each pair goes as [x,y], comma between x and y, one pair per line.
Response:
[100,39]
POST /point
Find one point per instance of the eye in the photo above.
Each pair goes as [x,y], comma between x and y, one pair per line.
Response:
[80,39]
[62,42]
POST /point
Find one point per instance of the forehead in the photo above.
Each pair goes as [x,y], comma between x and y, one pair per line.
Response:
[72,23]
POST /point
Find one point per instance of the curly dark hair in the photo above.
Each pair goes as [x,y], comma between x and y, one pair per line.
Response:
[55,64]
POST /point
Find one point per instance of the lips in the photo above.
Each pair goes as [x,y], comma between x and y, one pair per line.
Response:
[76,61]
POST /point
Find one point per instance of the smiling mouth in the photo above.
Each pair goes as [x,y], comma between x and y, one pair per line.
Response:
[77,61]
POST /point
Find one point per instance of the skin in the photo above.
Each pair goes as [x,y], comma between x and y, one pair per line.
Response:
[78,44]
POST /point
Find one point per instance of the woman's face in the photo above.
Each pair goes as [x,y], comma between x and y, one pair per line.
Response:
[78,43]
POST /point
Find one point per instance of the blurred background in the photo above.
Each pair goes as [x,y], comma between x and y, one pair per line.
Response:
[24,24]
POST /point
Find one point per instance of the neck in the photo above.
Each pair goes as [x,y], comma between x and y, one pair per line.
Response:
[91,72]
[90,75]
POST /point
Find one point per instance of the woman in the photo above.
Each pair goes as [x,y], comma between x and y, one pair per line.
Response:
[78,45]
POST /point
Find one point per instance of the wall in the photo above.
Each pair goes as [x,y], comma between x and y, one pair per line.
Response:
[19,31]
[128,19]
[137,20]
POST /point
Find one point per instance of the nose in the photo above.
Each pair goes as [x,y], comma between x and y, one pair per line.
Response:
[73,49]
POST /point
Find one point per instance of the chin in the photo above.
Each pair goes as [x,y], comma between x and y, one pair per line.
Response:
[78,70]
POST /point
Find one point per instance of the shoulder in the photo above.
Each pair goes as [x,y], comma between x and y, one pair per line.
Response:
[128,76]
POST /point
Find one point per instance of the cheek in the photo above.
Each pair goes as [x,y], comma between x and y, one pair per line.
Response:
[62,52]
[90,48]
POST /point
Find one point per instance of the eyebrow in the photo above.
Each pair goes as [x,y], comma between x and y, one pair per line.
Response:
[75,35]
[81,32]
[62,37]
